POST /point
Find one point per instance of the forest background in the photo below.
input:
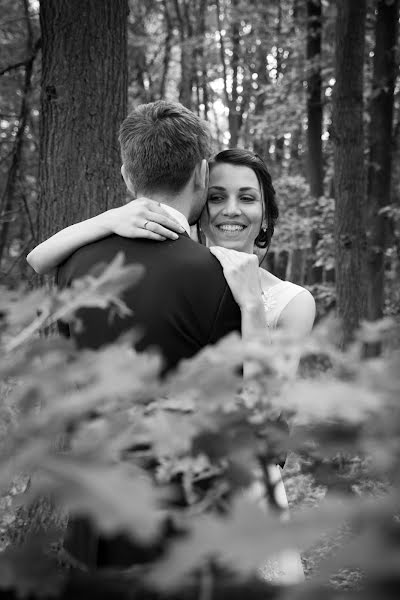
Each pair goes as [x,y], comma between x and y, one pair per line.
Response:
[263,74]
[312,87]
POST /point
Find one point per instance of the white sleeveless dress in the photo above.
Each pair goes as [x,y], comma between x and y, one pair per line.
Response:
[286,567]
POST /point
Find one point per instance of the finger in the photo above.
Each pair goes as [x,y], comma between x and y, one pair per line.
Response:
[149,235]
[160,230]
[161,217]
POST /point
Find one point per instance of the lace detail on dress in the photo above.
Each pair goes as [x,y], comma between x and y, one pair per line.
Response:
[268,300]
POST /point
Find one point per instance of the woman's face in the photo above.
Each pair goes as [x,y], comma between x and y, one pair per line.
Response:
[233,215]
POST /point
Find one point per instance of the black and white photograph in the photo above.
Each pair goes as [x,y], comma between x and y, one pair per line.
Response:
[199,299]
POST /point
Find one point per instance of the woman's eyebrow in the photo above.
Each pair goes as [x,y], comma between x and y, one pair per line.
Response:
[242,189]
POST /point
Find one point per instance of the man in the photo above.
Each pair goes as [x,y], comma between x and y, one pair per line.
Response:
[183,302]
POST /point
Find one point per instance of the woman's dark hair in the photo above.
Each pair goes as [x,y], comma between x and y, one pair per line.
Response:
[245,158]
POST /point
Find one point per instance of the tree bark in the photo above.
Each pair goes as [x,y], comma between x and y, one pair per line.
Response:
[380,157]
[348,139]
[83,101]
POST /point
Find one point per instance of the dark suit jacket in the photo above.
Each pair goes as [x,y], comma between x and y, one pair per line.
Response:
[182,304]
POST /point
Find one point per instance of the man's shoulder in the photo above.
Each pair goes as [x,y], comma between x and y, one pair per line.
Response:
[182,254]
[87,256]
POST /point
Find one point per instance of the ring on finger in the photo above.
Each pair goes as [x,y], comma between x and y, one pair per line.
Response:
[145,225]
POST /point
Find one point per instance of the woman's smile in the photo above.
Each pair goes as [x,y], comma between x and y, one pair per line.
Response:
[230,228]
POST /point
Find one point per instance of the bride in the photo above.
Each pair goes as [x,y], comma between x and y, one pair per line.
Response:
[239,216]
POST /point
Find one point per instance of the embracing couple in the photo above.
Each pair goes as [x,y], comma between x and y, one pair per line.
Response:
[192,294]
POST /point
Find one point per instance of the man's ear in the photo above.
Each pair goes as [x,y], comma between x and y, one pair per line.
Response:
[128,182]
[201,175]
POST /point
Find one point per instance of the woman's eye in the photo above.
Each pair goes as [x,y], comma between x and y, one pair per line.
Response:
[247,198]
[215,198]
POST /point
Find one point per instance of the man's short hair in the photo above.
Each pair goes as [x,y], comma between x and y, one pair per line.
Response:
[161,143]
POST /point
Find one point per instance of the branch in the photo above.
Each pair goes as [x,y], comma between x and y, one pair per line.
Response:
[16,261]
[24,63]
[29,216]
[21,63]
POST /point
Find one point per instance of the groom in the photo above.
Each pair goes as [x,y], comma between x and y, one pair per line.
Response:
[183,302]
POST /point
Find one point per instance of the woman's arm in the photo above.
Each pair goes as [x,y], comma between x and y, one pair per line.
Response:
[141,218]
[295,323]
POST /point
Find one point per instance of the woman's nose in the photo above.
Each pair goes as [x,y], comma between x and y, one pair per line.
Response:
[231,208]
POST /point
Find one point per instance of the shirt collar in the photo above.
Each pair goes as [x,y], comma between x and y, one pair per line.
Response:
[178,216]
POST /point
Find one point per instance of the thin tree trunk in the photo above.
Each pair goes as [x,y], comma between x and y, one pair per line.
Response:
[167,49]
[380,161]
[348,138]
[7,199]
[261,143]
[185,32]
[314,98]
[202,56]
[235,117]
[314,123]
[83,101]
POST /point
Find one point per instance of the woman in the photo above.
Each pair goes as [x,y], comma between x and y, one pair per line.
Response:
[240,215]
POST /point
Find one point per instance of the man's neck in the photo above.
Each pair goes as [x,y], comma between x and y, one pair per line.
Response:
[180,202]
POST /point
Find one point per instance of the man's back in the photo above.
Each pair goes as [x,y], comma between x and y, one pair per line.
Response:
[181,304]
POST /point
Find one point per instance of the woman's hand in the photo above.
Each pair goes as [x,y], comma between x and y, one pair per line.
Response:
[143,218]
[242,273]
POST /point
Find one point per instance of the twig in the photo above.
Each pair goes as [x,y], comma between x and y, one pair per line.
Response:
[28,214]
[21,63]
[16,261]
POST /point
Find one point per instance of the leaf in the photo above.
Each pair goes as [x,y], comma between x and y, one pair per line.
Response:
[246,538]
[90,291]
[325,399]
[118,498]
[209,379]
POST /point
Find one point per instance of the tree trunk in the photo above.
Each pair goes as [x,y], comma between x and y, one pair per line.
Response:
[235,116]
[261,143]
[83,101]
[167,50]
[380,162]
[185,28]
[8,197]
[314,123]
[348,138]
[314,98]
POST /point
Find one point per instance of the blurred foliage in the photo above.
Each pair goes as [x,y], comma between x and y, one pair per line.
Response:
[185,447]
